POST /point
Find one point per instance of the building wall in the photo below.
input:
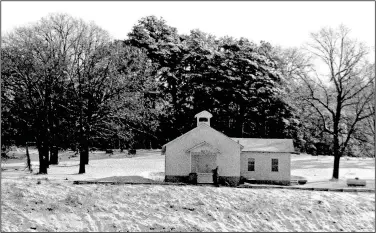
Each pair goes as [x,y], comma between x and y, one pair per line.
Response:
[178,161]
[263,166]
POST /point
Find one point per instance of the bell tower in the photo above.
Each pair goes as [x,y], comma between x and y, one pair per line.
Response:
[203,118]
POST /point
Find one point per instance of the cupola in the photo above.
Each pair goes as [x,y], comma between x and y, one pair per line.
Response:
[203,118]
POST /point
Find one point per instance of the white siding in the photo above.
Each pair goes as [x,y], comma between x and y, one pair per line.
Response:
[263,166]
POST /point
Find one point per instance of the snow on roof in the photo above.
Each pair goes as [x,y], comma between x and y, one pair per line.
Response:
[266,145]
[201,125]
[205,114]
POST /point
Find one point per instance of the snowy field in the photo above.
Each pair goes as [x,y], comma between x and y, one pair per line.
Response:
[51,202]
[318,170]
[150,164]
[143,164]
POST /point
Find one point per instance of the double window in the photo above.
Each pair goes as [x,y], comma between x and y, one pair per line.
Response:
[274,165]
[251,164]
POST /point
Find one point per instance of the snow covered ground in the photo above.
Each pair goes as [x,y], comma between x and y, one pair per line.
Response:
[150,164]
[60,206]
[51,202]
[318,170]
[142,165]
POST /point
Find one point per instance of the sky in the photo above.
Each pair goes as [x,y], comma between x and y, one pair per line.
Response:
[287,24]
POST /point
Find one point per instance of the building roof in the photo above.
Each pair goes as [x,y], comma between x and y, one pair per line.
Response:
[205,114]
[198,126]
[266,145]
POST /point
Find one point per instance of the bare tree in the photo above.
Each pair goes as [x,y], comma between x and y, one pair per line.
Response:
[342,98]
[32,58]
[100,73]
[45,59]
[87,71]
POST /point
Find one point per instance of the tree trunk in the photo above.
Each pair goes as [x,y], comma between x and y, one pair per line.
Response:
[82,145]
[84,153]
[43,150]
[48,157]
[85,145]
[336,166]
[28,163]
[337,156]
[43,154]
[54,155]
[121,147]
[336,148]
[336,153]
[82,164]
[54,149]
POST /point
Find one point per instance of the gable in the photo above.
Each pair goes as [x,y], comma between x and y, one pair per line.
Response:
[266,145]
[215,132]
[203,146]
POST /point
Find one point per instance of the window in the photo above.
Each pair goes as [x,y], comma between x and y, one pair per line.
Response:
[251,164]
[274,165]
[203,119]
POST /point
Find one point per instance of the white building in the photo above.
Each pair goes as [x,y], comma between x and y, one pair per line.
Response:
[203,148]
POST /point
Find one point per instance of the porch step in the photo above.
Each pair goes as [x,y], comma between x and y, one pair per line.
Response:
[204,178]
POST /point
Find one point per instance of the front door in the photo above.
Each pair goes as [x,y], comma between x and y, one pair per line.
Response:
[203,164]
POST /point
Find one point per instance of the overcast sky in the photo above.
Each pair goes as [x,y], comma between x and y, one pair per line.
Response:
[280,23]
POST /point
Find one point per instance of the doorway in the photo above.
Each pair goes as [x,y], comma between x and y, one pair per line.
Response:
[203,163]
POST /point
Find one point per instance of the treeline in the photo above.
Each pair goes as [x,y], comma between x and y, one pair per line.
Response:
[67,84]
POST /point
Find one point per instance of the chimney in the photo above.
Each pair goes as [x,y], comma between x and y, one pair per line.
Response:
[203,118]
